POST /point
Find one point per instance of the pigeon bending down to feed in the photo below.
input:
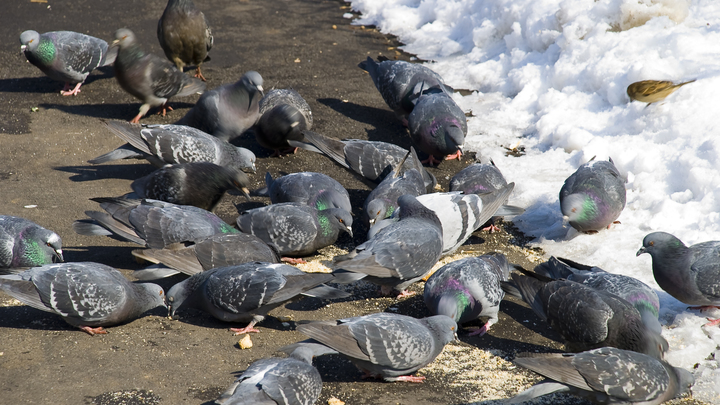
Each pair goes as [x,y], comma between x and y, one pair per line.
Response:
[87,295]
[148,77]
[284,114]
[229,110]
[594,196]
[605,376]
[652,91]
[690,274]
[184,35]
[398,255]
[639,294]
[24,243]
[295,229]
[199,184]
[66,56]
[314,189]
[292,380]
[173,144]
[247,292]
[478,178]
[151,223]
[587,318]
[468,288]
[438,127]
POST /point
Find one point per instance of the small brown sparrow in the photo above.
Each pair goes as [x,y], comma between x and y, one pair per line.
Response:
[651,91]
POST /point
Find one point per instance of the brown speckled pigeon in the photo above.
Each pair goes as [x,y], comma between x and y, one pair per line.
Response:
[185,35]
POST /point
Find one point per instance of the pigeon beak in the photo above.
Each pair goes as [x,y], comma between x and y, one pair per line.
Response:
[349,231]
[260,89]
[23,48]
[58,254]
[246,193]
[641,251]
[372,221]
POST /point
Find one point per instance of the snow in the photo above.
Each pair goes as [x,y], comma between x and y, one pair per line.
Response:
[552,75]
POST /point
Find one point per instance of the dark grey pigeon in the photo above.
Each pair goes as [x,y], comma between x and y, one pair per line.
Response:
[382,345]
[468,289]
[643,298]
[66,56]
[24,243]
[87,295]
[479,178]
[291,381]
[605,376]
[185,35]
[247,292]
[199,184]
[690,274]
[399,255]
[400,83]
[438,127]
[373,160]
[151,223]
[221,250]
[172,144]
[594,196]
[314,189]
[229,110]
[148,77]
[284,114]
[295,229]
[587,318]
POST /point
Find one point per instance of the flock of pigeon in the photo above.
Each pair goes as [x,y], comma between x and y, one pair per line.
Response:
[237,272]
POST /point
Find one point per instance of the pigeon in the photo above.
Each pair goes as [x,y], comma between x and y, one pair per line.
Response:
[401,83]
[24,243]
[468,288]
[87,295]
[291,380]
[295,229]
[652,91]
[185,35]
[605,376]
[247,292]
[151,223]
[690,274]
[382,345]
[478,178]
[639,294]
[438,126]
[66,56]
[594,196]
[399,255]
[148,77]
[283,115]
[229,110]
[199,184]
[314,189]
[171,144]
[585,317]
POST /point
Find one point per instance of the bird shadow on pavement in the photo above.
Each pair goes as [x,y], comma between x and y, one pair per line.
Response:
[388,127]
[101,172]
[124,111]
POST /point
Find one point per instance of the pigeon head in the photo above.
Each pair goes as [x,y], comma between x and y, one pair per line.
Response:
[655,344]
[153,296]
[240,182]
[123,38]
[454,135]
[685,380]
[379,209]
[42,246]
[335,218]
[452,305]
[176,296]
[303,353]
[252,81]
[245,159]
[662,244]
[579,209]
[284,121]
[30,40]
[443,327]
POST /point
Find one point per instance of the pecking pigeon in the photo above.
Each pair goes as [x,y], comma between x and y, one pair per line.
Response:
[87,295]
[314,189]
[438,126]
[283,115]
[66,56]
[24,243]
[184,35]
[478,178]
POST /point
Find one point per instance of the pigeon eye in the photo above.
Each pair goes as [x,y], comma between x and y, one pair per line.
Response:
[341,221]
[651,243]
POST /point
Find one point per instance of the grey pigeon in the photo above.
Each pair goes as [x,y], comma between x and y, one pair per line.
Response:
[690,274]
[382,345]
[148,77]
[66,56]
[229,110]
[468,288]
[643,298]
[283,115]
[171,144]
[398,255]
[24,243]
[185,35]
[295,229]
[605,376]
[400,83]
[438,127]
[291,381]
[152,223]
[87,295]
[587,318]
[314,189]
[247,292]
[199,184]
[594,196]
[479,178]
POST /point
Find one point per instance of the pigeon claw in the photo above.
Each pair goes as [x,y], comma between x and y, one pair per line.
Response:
[163,110]
[293,260]
[136,120]
[457,155]
[199,74]
[410,378]
[73,92]
[405,294]
[431,161]
[93,331]
[713,322]
[492,228]
[480,331]
[248,329]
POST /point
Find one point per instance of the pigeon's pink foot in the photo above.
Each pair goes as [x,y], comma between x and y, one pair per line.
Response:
[713,322]
[431,161]
[492,228]
[457,155]
[164,109]
[293,260]
[93,331]
[288,151]
[410,378]
[136,120]
[73,92]
[480,331]
[248,329]
[199,74]
[405,294]
[705,307]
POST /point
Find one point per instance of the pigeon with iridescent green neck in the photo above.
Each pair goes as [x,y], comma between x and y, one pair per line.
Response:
[314,189]
[24,243]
